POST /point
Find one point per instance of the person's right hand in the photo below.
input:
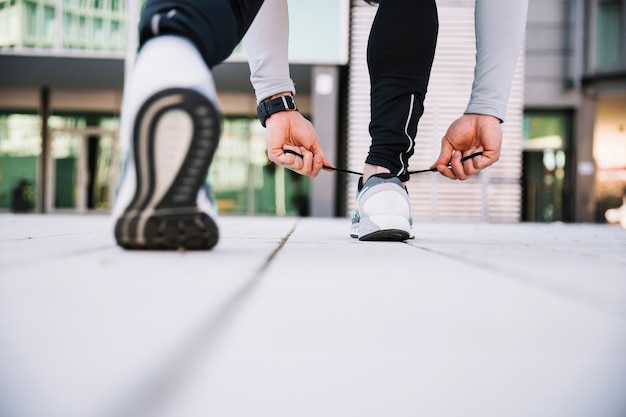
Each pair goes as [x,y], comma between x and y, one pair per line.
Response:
[289,130]
[467,135]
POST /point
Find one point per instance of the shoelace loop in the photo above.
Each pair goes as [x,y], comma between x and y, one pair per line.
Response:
[347,171]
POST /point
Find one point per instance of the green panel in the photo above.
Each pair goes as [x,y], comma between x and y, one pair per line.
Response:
[64,196]
[13,169]
[544,130]
[19,155]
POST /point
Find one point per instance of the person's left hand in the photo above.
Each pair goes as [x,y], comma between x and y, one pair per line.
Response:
[290,130]
[467,135]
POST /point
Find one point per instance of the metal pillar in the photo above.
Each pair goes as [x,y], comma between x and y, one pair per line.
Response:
[585,164]
[325,108]
[43,178]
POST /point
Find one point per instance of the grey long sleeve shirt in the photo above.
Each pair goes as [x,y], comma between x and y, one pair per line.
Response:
[267,46]
[500,27]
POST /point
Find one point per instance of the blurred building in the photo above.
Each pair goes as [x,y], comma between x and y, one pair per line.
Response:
[60,61]
[574,151]
[62,72]
[62,66]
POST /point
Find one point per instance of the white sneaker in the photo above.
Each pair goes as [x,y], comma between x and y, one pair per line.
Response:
[383,210]
[172,136]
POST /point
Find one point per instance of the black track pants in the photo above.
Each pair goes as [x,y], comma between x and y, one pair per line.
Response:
[399,56]
[215,26]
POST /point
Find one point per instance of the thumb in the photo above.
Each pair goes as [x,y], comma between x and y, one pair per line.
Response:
[445,156]
[321,159]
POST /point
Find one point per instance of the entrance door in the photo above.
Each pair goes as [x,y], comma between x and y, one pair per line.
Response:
[82,169]
[544,185]
[546,192]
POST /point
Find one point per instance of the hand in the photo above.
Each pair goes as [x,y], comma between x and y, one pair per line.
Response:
[469,134]
[290,130]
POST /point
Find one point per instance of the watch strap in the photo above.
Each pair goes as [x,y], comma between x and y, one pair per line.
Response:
[266,108]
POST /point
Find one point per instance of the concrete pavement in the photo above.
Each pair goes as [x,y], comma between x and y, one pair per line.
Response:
[292,317]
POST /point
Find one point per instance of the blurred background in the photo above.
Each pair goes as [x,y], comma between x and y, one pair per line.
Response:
[62,66]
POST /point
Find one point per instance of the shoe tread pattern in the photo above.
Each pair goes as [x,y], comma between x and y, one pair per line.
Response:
[175,221]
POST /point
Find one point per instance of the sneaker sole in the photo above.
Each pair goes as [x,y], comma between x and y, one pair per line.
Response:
[389,235]
[384,228]
[175,136]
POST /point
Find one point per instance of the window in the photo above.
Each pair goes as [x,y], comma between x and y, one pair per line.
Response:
[610,34]
[49,22]
[116,36]
[98,34]
[31,19]
[68,28]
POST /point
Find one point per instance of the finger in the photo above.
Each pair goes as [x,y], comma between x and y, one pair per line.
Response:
[446,169]
[456,165]
[446,172]
[487,159]
[288,157]
[325,162]
[470,162]
[319,161]
[307,162]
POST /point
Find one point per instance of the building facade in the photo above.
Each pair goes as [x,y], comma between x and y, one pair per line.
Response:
[574,153]
[62,66]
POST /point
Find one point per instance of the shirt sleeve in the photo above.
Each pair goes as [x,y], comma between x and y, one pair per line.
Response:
[500,29]
[267,44]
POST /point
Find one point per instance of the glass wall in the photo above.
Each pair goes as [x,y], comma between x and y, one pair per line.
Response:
[82,159]
[84,166]
[244,181]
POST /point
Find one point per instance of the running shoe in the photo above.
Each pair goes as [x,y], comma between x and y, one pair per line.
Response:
[383,210]
[162,202]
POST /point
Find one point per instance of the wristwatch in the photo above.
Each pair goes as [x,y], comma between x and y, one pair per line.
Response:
[266,108]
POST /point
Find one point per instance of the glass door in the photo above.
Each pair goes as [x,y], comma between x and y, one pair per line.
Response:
[83,174]
[546,193]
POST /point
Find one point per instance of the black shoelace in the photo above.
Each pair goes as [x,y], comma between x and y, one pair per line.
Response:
[347,171]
